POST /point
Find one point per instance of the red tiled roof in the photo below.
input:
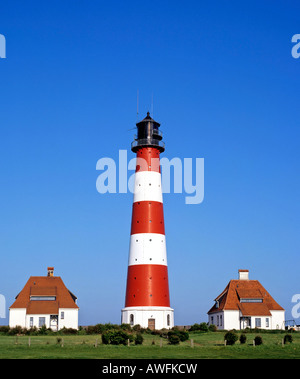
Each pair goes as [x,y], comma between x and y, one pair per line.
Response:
[254,309]
[44,286]
[42,291]
[42,307]
[229,299]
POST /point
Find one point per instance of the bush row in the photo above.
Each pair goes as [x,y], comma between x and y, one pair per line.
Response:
[231,338]
[203,327]
[34,331]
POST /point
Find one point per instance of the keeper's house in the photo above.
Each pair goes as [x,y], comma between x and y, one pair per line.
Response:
[245,303]
[45,300]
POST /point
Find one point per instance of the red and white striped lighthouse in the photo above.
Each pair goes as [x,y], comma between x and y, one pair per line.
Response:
[147,300]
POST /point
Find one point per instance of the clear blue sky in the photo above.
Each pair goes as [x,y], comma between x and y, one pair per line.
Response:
[226,88]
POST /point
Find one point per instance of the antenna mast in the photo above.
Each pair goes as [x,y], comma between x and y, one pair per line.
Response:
[152,111]
[137,106]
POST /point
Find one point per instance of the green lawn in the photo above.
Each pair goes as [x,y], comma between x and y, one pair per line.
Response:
[206,345]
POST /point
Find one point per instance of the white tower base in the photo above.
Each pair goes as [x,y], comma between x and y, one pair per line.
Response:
[149,317]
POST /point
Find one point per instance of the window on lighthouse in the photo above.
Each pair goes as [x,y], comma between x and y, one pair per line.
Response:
[168,320]
[131,319]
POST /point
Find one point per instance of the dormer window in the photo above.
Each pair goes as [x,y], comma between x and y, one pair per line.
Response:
[43,298]
[251,300]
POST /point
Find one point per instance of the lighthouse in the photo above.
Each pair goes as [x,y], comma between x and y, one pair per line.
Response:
[147,301]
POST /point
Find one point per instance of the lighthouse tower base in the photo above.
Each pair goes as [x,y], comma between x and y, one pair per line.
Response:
[149,317]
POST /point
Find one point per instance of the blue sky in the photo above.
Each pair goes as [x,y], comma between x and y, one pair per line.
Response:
[225,88]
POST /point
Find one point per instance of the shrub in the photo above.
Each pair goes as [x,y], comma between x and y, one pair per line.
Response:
[126,327]
[258,340]
[164,333]
[212,328]
[139,339]
[288,338]
[174,339]
[98,328]
[202,327]
[15,330]
[181,334]
[43,330]
[243,338]
[194,327]
[101,328]
[91,329]
[184,335]
[33,330]
[137,328]
[118,337]
[109,326]
[4,329]
[231,337]
[69,331]
[106,338]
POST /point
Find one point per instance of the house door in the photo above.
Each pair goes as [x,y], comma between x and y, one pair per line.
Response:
[54,322]
[245,322]
[151,323]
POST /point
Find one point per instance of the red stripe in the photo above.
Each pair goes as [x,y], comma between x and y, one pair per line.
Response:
[148,159]
[147,217]
[147,285]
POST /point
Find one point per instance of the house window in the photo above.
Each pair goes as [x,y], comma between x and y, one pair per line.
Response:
[131,319]
[251,300]
[168,320]
[62,315]
[42,321]
[220,320]
[267,322]
[217,320]
[258,322]
[43,298]
[212,319]
[31,322]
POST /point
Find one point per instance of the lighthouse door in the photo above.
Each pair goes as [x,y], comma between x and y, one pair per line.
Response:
[151,323]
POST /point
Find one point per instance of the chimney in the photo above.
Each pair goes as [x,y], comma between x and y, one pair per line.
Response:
[243,274]
[50,271]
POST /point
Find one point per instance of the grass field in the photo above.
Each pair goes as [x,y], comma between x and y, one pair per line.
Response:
[206,345]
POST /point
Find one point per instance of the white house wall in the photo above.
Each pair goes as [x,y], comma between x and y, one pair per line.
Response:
[36,320]
[217,319]
[17,316]
[278,319]
[231,320]
[70,319]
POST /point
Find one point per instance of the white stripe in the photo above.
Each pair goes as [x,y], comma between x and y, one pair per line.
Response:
[147,186]
[147,248]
